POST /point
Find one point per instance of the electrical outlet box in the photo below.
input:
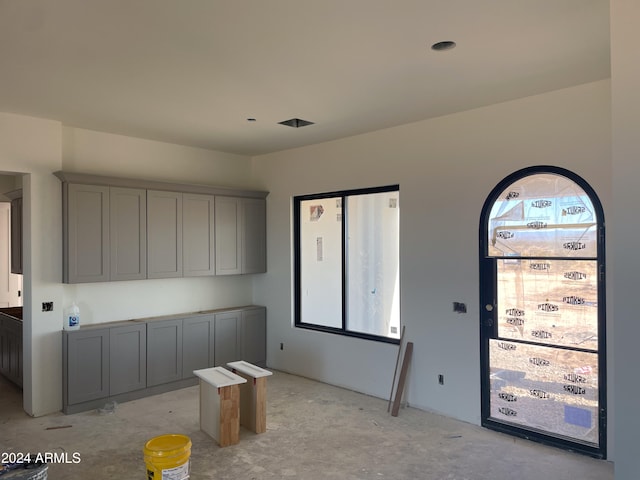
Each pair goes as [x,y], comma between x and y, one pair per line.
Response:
[459,307]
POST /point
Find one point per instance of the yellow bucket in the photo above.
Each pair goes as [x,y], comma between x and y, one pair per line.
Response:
[167,457]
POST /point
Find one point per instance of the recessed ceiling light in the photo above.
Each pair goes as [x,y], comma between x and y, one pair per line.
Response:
[446,45]
[296,123]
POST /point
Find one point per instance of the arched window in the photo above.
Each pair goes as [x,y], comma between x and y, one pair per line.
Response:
[542,310]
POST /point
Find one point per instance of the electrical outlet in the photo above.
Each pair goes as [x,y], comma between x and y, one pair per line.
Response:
[47,306]
[441,379]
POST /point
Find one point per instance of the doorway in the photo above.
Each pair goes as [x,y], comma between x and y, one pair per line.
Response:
[542,312]
[11,286]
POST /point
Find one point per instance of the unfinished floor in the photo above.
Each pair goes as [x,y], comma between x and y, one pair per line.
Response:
[314,431]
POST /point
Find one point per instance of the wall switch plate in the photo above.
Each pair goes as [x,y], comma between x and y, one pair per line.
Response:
[47,306]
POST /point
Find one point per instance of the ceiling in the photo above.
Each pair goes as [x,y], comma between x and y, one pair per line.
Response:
[193,72]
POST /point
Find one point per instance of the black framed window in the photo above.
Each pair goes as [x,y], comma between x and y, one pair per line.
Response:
[347,262]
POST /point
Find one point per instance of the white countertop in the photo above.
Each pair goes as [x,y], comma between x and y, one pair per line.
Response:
[219,377]
[249,369]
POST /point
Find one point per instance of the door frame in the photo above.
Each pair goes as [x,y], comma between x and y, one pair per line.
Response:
[488,327]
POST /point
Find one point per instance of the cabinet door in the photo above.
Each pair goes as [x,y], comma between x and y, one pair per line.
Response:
[16,235]
[14,345]
[226,335]
[198,237]
[228,233]
[164,234]
[164,351]
[196,332]
[86,358]
[254,234]
[127,358]
[86,236]
[128,233]
[4,349]
[253,342]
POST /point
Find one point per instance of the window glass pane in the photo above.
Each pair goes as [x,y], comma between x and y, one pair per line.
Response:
[545,388]
[554,302]
[373,264]
[543,215]
[321,262]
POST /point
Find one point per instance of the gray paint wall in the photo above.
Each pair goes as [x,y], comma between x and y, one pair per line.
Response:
[446,167]
[625,261]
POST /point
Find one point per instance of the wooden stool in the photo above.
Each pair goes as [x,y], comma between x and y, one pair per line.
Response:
[253,395]
[220,404]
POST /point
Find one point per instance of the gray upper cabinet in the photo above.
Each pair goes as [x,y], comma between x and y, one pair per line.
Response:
[254,233]
[228,236]
[198,235]
[164,234]
[240,235]
[128,358]
[128,233]
[128,229]
[86,238]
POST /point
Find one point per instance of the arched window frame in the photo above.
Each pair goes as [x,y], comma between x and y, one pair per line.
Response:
[488,277]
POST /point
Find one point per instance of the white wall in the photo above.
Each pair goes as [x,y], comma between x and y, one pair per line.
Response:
[33,146]
[100,153]
[625,79]
[38,148]
[446,167]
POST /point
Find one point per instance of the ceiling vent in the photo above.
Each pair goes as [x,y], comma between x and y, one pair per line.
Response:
[296,123]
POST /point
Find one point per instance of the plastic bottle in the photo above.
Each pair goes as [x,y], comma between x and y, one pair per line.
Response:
[72,317]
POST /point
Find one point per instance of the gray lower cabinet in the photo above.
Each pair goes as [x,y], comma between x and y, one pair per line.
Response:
[127,358]
[226,337]
[103,362]
[197,343]
[253,334]
[85,365]
[241,335]
[164,351]
[11,349]
[137,358]
[4,352]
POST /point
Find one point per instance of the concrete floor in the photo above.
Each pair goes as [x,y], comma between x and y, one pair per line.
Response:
[314,431]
